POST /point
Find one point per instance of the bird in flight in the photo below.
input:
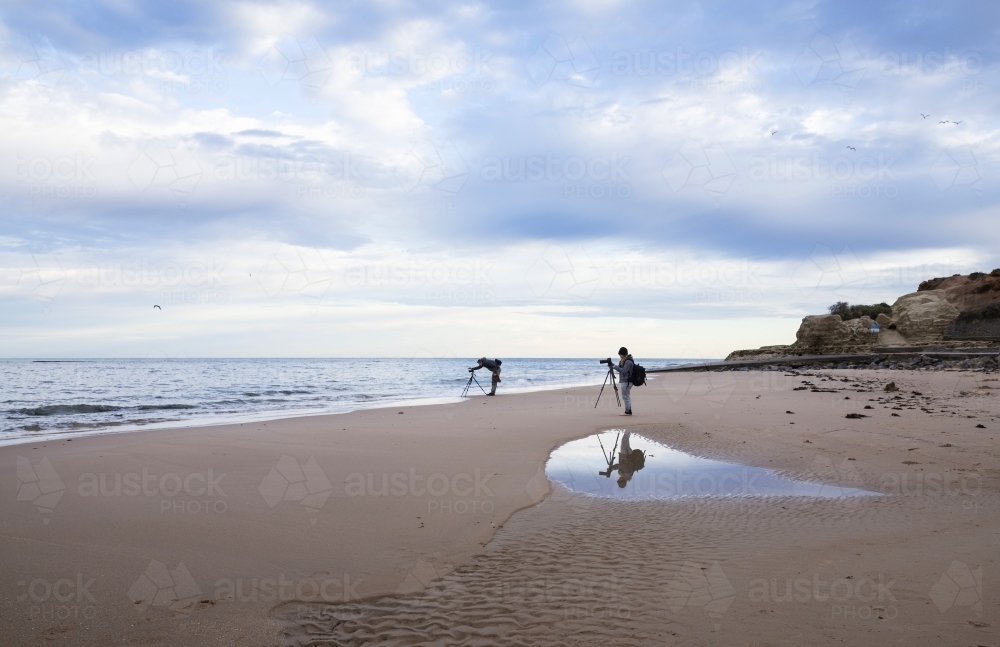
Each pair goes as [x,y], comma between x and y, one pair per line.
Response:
[924,116]
[944,122]
[853,149]
[773,133]
[958,122]
[158,308]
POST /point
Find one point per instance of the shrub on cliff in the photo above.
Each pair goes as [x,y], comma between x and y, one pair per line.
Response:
[991,311]
[848,312]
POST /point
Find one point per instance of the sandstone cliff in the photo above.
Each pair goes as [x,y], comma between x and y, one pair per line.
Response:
[967,292]
[929,316]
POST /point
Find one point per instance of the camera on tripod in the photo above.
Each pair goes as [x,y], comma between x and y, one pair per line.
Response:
[611,376]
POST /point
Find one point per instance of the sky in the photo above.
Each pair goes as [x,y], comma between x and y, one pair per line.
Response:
[447,179]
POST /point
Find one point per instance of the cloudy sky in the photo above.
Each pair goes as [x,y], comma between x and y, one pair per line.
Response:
[516,179]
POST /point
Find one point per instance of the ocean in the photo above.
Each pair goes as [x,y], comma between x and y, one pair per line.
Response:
[44,399]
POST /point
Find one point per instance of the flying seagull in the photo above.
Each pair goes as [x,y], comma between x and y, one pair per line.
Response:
[958,122]
[853,149]
[773,133]
[924,116]
[158,308]
[944,122]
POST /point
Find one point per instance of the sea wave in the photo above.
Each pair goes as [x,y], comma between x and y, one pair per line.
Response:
[67,409]
[71,409]
[157,407]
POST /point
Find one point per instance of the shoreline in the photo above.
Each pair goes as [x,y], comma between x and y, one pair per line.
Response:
[402,504]
[235,419]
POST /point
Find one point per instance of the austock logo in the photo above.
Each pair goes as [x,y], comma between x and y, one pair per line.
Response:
[835,480]
[39,484]
[43,277]
[63,599]
[712,387]
[701,587]
[862,598]
[561,273]
[538,486]
[841,64]
[300,271]
[959,586]
[696,166]
[175,169]
[437,165]
[38,60]
[423,575]
[558,60]
[297,60]
[160,586]
[290,481]
[958,168]
[841,273]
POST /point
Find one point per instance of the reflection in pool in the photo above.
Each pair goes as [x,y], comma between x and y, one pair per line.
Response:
[624,465]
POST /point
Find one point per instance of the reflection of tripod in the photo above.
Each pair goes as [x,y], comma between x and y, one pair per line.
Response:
[611,374]
[609,457]
[472,378]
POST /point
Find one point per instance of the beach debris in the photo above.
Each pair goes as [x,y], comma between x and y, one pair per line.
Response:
[855,416]
[890,387]
[980,426]
[792,412]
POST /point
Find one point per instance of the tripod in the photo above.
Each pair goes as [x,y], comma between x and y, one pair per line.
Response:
[472,378]
[611,374]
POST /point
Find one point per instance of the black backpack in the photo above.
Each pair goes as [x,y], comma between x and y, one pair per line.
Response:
[638,377]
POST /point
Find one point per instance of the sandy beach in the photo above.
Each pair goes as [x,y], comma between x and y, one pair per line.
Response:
[436,524]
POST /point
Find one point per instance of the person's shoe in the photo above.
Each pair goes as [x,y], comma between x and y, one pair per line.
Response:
[491,394]
[627,413]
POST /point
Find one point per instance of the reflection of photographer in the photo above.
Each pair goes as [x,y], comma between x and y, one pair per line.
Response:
[629,462]
[491,365]
[624,370]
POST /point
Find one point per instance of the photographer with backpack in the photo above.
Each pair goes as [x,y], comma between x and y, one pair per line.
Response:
[628,374]
[493,366]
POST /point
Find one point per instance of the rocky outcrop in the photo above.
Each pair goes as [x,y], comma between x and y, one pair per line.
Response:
[925,317]
[764,352]
[820,335]
[829,334]
[966,291]
[921,317]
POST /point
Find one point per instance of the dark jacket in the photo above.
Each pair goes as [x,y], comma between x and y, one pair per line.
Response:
[488,364]
[624,369]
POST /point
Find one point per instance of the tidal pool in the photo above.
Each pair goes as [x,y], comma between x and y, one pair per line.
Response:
[625,465]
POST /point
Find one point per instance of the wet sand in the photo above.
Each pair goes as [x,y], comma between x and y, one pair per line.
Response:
[437,524]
